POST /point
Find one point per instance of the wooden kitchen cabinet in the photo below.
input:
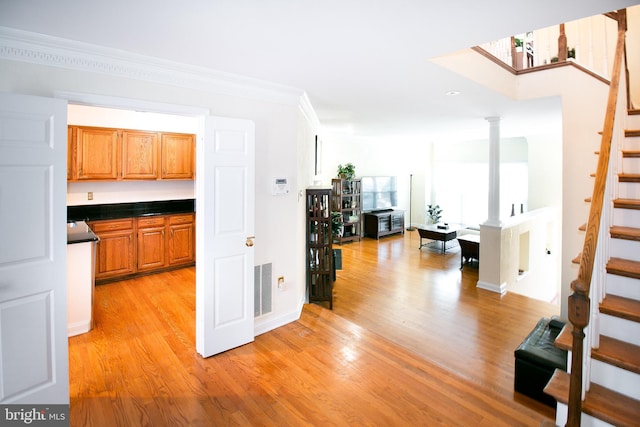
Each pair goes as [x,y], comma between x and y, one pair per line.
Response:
[107,154]
[181,239]
[143,245]
[116,250]
[178,159]
[139,155]
[70,157]
[151,243]
[97,152]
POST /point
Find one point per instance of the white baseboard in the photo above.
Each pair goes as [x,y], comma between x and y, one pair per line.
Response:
[501,288]
[271,324]
[78,328]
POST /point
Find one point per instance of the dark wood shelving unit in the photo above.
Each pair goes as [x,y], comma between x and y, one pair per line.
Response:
[383,223]
[347,199]
[320,273]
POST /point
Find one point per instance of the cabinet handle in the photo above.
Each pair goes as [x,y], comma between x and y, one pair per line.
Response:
[162,233]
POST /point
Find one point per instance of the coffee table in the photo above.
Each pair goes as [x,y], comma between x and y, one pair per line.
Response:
[433,232]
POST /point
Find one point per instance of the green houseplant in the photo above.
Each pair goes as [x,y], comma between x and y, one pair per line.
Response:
[434,213]
[348,171]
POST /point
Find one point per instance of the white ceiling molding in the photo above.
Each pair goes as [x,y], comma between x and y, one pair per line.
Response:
[24,46]
[309,113]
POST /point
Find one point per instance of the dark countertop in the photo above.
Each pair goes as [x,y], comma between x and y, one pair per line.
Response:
[129,210]
[80,232]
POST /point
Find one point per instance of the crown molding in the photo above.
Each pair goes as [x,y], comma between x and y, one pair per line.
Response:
[25,46]
[309,113]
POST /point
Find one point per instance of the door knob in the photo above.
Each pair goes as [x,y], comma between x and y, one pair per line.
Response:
[249,241]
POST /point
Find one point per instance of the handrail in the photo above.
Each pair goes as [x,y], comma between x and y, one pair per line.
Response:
[579,303]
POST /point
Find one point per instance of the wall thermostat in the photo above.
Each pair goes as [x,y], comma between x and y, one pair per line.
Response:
[280,186]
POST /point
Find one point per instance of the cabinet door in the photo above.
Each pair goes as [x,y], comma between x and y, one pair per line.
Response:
[181,240]
[397,221]
[115,254]
[97,151]
[177,156]
[139,155]
[151,248]
[116,250]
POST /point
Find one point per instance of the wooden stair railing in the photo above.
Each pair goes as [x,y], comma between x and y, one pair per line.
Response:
[579,303]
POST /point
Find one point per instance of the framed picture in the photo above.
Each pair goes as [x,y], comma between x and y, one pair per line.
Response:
[318,156]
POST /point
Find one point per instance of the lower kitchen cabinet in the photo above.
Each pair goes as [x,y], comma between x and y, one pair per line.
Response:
[116,250]
[181,239]
[136,246]
[151,243]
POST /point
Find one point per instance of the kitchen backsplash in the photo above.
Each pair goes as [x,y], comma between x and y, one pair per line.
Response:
[80,193]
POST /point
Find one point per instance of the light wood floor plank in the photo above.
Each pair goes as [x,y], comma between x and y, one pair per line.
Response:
[410,341]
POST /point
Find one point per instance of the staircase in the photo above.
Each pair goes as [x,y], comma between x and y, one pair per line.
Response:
[613,397]
[603,336]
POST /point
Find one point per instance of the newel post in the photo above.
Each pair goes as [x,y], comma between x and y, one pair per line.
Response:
[562,45]
[579,307]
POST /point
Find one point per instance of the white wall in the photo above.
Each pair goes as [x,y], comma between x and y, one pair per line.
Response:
[584,101]
[278,125]
[527,238]
[392,156]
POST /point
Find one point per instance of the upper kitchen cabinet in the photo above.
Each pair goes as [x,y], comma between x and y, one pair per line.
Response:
[178,156]
[97,152]
[106,154]
[139,155]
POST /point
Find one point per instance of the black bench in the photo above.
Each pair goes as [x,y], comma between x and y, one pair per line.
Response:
[536,360]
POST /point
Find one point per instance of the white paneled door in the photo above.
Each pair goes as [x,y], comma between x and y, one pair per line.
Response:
[225,189]
[33,302]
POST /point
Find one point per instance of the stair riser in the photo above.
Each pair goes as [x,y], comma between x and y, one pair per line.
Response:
[626,217]
[623,286]
[631,143]
[621,329]
[627,249]
[585,420]
[630,165]
[632,121]
[615,378]
[628,190]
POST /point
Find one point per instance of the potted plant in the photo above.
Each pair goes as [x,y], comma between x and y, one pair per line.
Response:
[347,171]
[434,213]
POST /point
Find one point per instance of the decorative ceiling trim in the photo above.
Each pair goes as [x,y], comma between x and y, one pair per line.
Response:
[25,46]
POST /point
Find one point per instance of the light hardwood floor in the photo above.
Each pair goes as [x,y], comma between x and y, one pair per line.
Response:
[410,341]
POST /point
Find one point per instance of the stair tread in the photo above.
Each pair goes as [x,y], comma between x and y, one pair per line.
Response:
[618,353]
[624,267]
[625,308]
[630,153]
[612,351]
[600,402]
[626,203]
[564,340]
[631,132]
[629,177]
[627,233]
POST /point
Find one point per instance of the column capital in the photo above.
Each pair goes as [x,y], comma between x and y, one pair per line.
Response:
[492,119]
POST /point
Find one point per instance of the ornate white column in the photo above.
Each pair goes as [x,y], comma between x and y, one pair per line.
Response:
[494,172]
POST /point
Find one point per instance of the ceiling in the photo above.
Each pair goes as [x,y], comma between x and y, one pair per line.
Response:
[364,64]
